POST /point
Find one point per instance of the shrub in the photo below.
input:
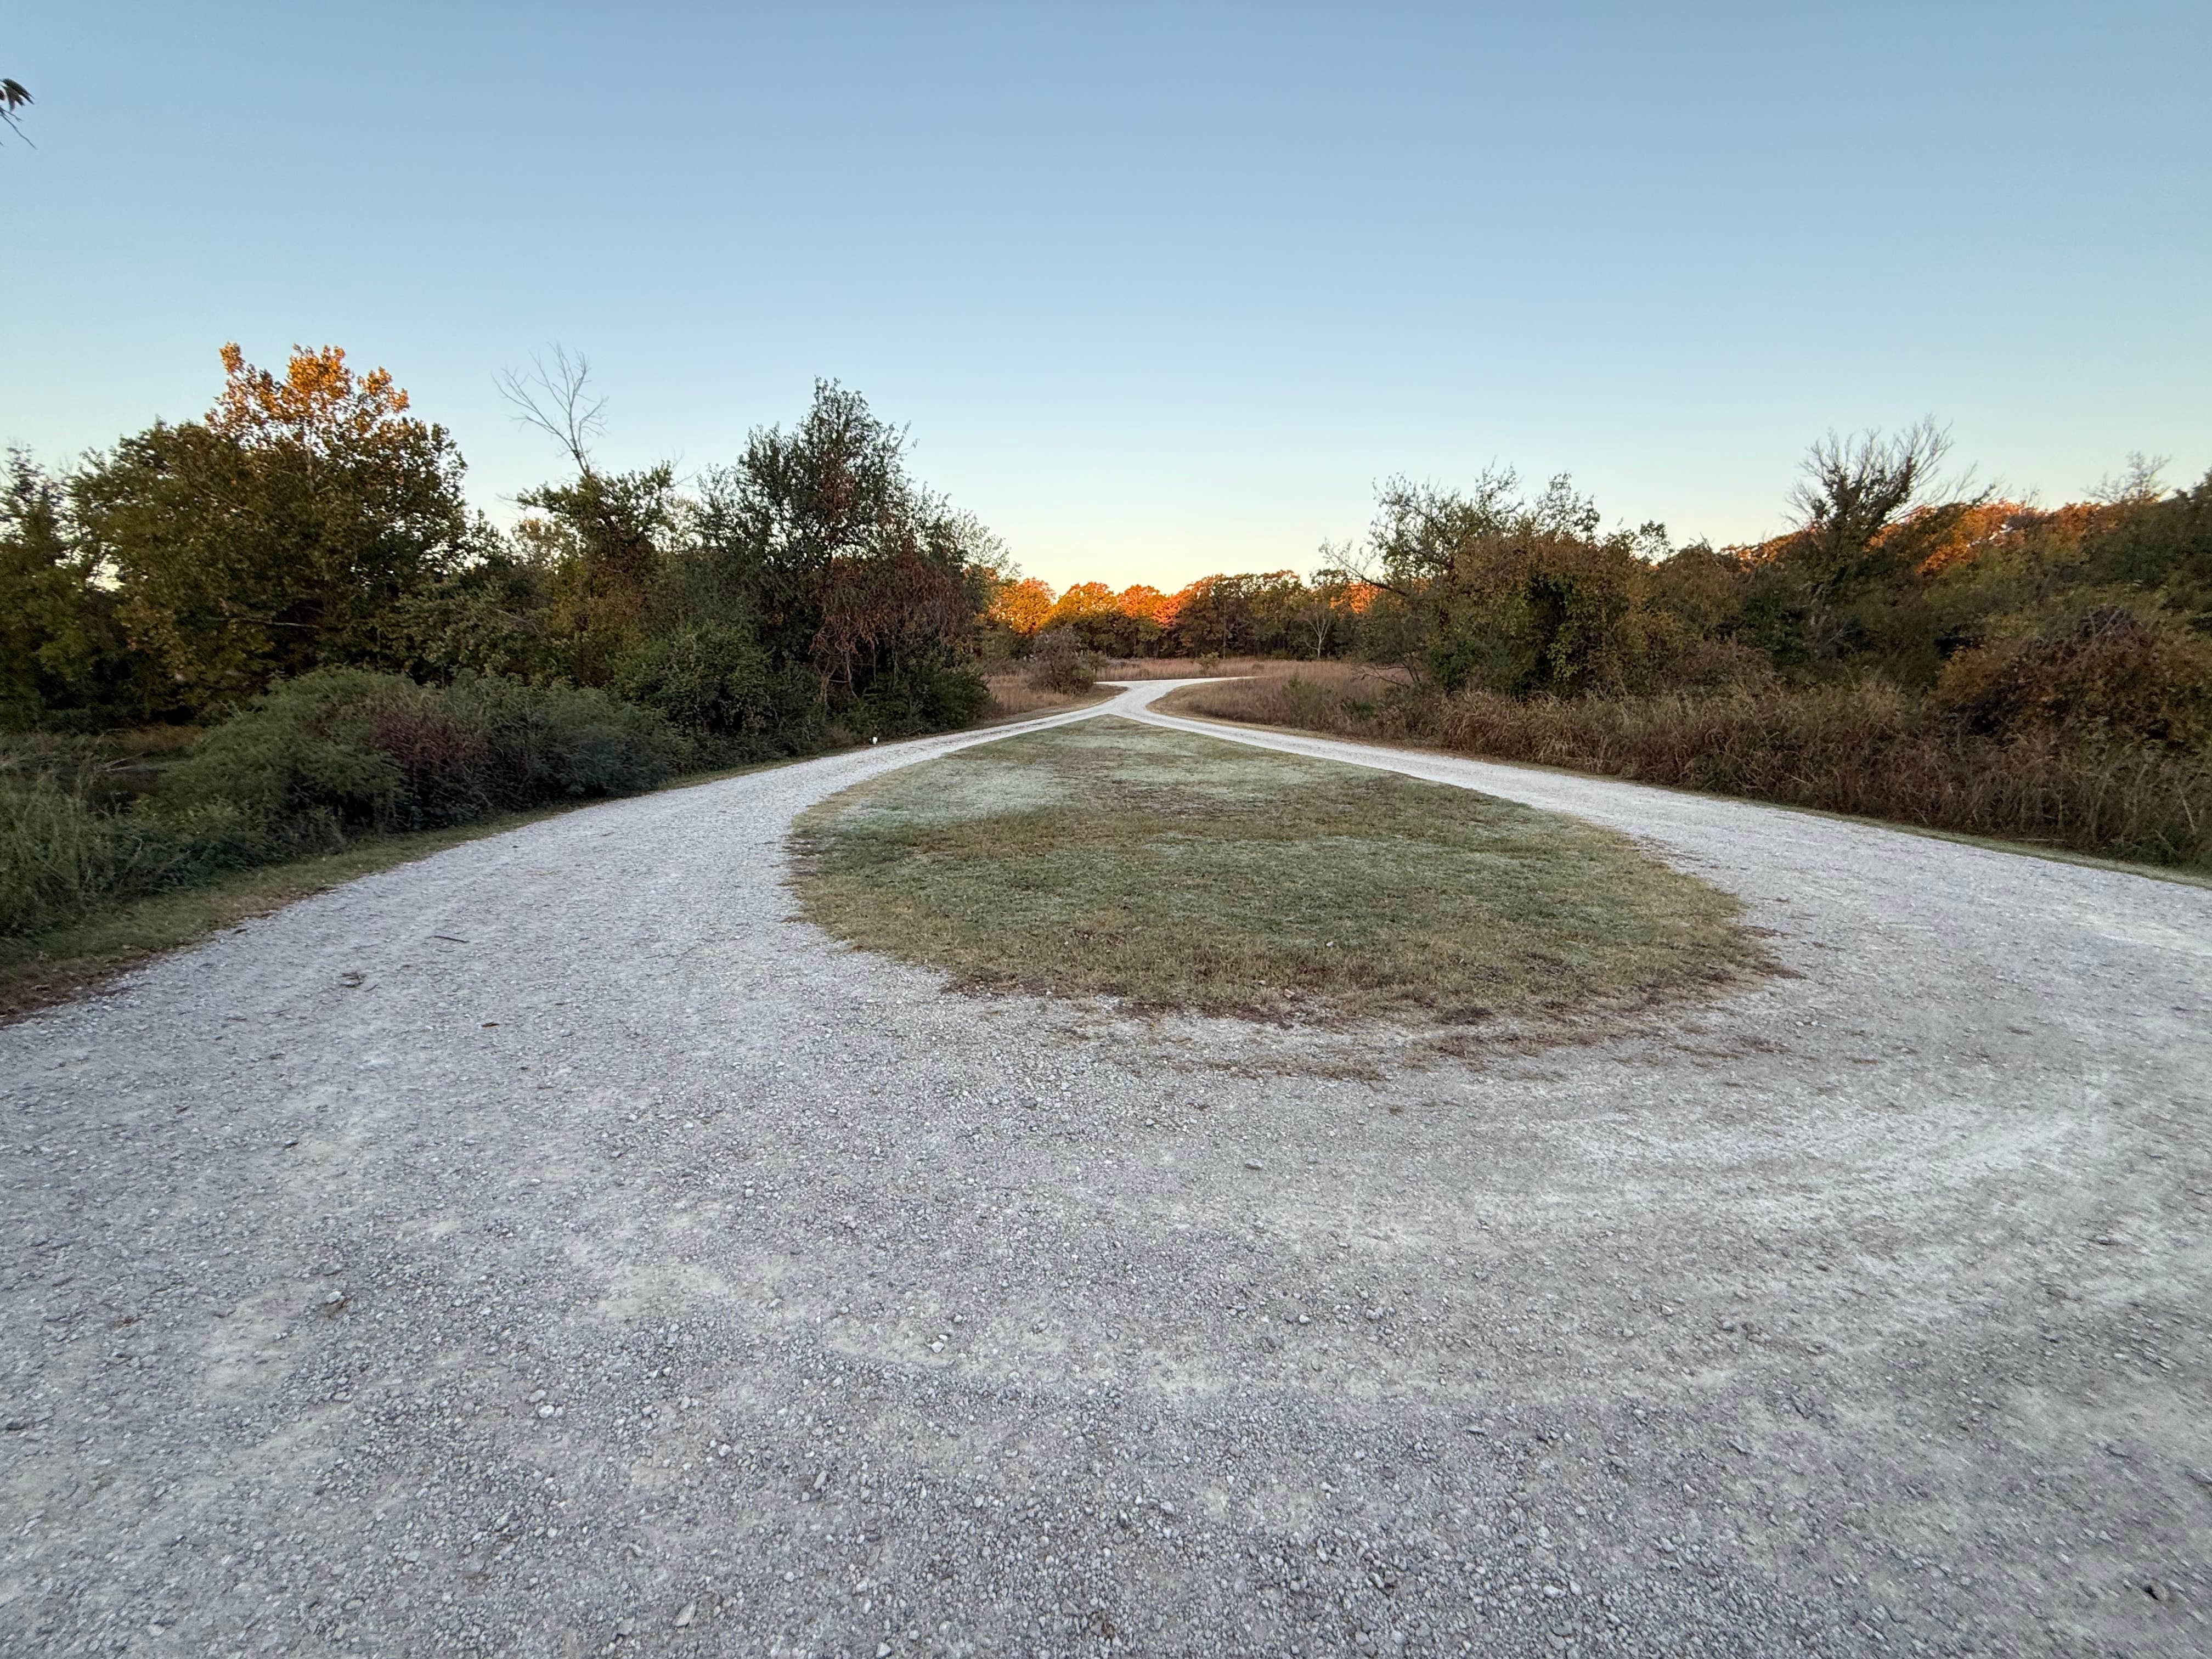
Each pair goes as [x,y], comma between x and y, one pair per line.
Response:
[958,697]
[310,760]
[549,743]
[1707,664]
[912,698]
[305,746]
[2104,673]
[351,748]
[710,679]
[1060,663]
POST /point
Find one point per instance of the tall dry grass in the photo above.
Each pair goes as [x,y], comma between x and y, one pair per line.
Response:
[1867,749]
[1012,697]
[1191,668]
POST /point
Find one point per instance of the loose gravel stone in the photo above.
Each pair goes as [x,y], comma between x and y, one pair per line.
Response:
[926,1324]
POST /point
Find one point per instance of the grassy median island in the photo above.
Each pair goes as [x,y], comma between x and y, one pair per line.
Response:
[1114,858]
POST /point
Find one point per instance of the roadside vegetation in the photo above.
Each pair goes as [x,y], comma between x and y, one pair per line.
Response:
[1013,697]
[262,634]
[1915,649]
[39,969]
[1184,668]
[1114,859]
[1865,748]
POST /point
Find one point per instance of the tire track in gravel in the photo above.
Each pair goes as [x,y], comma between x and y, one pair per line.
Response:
[651,1275]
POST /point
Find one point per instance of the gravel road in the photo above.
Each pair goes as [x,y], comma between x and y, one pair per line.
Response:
[551,1248]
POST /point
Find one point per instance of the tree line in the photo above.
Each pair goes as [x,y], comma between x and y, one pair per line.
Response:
[312,520]
[2094,616]
[810,589]
[1277,613]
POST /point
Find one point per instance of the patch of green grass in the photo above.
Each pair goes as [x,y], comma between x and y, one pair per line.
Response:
[1113,857]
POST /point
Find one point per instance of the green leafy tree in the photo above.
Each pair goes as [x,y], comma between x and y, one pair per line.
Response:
[64,659]
[602,538]
[493,614]
[1869,507]
[280,533]
[2157,544]
[1505,592]
[819,540]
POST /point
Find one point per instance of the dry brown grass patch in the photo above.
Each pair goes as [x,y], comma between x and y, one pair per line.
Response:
[1174,871]
[1012,698]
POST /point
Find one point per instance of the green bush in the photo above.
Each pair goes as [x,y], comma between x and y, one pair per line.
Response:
[308,762]
[304,746]
[714,679]
[550,743]
[1058,663]
[378,751]
[913,698]
[951,697]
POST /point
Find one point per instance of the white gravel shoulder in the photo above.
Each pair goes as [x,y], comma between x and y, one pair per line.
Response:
[552,1248]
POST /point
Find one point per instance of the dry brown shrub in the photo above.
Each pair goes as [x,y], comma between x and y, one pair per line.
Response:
[2107,673]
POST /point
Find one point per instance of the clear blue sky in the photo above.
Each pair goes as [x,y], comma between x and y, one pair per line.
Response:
[1160,290]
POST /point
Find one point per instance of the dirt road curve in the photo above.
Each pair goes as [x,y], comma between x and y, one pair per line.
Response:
[552,1249]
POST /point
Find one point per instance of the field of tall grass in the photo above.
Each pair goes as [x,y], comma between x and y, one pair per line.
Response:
[1191,668]
[1012,697]
[1865,748]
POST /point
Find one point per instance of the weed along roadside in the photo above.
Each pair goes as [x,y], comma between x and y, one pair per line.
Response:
[1854,750]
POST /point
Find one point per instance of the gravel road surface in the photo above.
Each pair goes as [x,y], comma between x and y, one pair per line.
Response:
[551,1248]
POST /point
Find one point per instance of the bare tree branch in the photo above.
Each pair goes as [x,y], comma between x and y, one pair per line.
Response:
[2136,484]
[1348,562]
[556,399]
[1853,488]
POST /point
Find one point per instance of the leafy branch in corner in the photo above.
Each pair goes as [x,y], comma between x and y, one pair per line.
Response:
[14,96]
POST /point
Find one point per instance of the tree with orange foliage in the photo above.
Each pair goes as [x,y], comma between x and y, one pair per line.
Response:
[1082,603]
[1153,611]
[1120,624]
[1145,601]
[280,533]
[1021,607]
[1084,607]
[320,406]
